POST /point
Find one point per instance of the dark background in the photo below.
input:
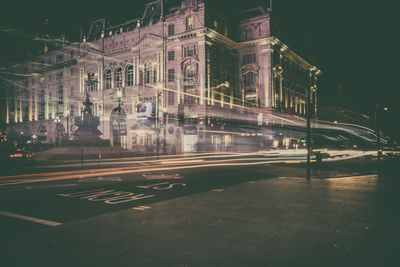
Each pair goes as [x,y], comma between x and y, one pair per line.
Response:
[353,42]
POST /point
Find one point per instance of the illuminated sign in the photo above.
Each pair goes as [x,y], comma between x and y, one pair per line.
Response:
[144,110]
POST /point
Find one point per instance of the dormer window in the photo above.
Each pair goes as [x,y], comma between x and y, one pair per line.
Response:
[189,23]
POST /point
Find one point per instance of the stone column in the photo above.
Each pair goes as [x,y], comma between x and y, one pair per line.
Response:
[7,112]
[201,52]
[20,108]
[30,106]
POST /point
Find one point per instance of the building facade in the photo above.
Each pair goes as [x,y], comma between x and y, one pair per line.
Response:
[176,80]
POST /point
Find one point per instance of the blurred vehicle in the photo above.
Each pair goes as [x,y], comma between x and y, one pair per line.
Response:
[21,154]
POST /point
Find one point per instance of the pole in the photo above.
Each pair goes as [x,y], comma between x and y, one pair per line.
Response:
[158,123]
[308,137]
[67,126]
[102,79]
[378,133]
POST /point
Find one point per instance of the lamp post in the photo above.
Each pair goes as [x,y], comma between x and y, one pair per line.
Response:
[67,114]
[158,88]
[119,95]
[57,122]
[308,135]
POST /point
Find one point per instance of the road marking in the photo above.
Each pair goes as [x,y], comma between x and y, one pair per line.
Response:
[100,179]
[218,190]
[48,186]
[30,219]
[162,176]
[111,197]
[141,208]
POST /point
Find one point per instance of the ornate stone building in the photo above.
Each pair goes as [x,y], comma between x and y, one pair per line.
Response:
[177,79]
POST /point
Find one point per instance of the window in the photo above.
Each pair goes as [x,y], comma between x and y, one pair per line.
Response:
[189,51]
[71,113]
[72,53]
[249,59]
[129,75]
[60,94]
[108,79]
[171,29]
[60,75]
[147,72]
[171,117]
[118,77]
[171,100]
[248,34]
[189,23]
[72,71]
[171,75]
[41,104]
[171,55]
[59,58]
[249,79]
[92,82]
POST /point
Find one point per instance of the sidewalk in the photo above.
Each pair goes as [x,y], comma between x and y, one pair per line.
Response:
[270,222]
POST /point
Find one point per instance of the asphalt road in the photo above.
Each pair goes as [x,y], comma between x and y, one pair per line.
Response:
[43,199]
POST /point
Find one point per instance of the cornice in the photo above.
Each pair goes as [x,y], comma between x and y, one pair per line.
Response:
[59,66]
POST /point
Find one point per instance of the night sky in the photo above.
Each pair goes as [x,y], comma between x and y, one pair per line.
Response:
[353,42]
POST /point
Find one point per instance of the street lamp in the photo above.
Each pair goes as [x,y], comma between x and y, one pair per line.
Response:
[119,95]
[158,88]
[57,121]
[67,115]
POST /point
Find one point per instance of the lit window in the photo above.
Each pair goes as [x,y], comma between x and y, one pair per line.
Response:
[129,75]
[118,77]
[108,79]
[189,23]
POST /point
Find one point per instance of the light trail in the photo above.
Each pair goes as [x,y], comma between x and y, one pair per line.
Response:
[170,166]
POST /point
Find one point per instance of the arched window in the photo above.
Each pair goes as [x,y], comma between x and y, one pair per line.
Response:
[129,75]
[249,79]
[148,72]
[108,79]
[118,77]
[189,23]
